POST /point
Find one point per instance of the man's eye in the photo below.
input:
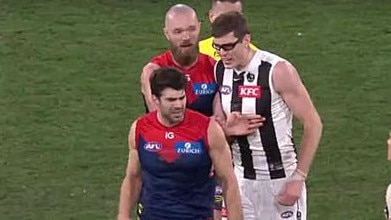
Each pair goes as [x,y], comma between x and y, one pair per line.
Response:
[177,31]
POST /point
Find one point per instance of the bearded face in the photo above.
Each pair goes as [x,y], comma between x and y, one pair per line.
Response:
[182,31]
[185,53]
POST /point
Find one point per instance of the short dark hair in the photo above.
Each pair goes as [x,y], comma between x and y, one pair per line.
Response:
[167,77]
[230,22]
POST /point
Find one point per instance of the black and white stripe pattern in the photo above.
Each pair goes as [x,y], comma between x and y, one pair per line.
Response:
[268,152]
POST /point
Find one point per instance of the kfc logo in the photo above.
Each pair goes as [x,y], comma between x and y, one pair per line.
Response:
[249,91]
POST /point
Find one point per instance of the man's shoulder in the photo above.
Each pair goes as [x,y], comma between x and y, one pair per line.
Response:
[196,117]
[162,59]
[267,56]
[205,61]
[147,118]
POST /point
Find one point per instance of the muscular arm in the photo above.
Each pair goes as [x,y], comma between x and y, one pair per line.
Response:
[218,112]
[221,158]
[131,185]
[288,84]
[145,86]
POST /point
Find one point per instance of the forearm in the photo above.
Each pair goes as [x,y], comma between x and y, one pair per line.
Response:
[311,137]
[232,199]
[227,130]
[130,192]
[228,134]
[151,106]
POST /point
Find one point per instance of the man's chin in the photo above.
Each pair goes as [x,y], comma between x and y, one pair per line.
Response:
[228,65]
[188,51]
[176,120]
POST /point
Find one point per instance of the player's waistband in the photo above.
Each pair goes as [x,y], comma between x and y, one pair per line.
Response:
[265,174]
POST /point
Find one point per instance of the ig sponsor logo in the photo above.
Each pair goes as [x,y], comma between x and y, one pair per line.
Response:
[169,135]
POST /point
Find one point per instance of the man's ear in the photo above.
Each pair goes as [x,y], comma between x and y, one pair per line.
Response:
[211,16]
[165,32]
[247,40]
[155,99]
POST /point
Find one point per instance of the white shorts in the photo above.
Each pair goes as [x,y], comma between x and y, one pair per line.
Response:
[259,203]
[388,203]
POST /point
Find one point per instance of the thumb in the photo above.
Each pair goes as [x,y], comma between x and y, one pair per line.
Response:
[235,113]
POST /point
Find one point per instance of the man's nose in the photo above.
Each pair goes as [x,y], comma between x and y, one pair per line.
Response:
[222,52]
[177,104]
[185,35]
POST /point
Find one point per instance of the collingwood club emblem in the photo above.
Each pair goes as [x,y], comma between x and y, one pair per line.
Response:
[250,77]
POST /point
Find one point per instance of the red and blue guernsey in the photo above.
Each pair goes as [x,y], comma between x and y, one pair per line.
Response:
[201,87]
[175,167]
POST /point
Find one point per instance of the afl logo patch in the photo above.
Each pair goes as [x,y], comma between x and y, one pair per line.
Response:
[225,90]
[153,146]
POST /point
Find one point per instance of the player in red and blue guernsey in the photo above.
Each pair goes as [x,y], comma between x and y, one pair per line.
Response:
[171,151]
[182,30]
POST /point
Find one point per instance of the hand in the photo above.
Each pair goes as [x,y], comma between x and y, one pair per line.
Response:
[218,119]
[238,124]
[291,192]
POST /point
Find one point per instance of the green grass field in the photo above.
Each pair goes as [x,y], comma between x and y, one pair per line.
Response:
[69,89]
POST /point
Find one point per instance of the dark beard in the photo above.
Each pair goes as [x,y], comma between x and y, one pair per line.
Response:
[184,59]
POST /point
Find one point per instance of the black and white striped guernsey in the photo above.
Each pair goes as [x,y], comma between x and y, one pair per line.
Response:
[270,151]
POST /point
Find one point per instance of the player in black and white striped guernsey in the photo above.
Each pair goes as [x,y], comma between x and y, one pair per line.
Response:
[271,178]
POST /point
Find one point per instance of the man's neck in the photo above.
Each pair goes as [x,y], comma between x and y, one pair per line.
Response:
[247,59]
[185,66]
[165,122]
